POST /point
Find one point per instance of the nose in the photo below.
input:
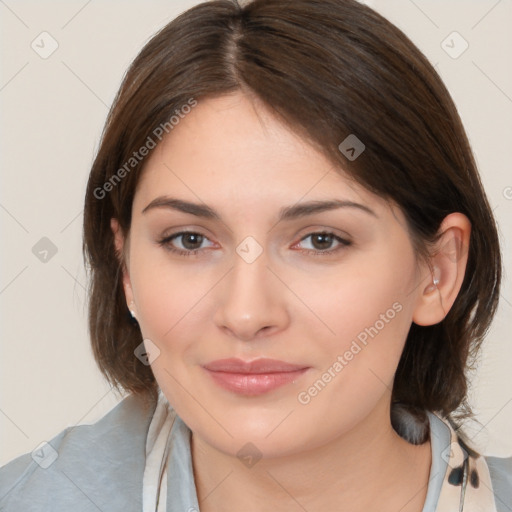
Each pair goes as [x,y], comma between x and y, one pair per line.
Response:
[251,301]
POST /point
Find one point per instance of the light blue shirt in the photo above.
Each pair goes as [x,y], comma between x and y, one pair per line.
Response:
[99,467]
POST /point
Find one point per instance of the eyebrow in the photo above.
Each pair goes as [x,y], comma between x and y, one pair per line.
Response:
[285,214]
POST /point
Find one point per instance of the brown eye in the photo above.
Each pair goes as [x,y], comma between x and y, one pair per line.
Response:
[322,243]
[191,241]
[184,243]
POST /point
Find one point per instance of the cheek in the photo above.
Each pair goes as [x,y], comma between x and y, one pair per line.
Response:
[367,315]
[367,312]
[371,294]
[166,295]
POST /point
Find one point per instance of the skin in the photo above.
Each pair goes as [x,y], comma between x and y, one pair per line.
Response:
[339,450]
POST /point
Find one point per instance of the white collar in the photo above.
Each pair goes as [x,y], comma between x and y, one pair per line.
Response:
[154,485]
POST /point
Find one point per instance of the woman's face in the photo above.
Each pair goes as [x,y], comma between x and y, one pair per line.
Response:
[257,279]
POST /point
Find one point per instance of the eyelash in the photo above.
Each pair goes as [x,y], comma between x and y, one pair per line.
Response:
[166,243]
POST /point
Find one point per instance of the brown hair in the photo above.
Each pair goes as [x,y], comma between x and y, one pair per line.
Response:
[328,68]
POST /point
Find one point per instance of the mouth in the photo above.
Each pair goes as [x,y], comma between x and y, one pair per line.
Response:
[254,377]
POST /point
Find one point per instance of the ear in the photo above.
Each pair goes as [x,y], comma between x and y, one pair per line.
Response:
[443,276]
[119,243]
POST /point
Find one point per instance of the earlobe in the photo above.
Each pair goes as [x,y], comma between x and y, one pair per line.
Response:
[131,306]
[119,242]
[443,278]
[436,279]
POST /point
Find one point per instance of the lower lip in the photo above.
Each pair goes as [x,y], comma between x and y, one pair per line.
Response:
[254,383]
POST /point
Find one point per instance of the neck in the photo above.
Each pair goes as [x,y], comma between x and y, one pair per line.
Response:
[366,466]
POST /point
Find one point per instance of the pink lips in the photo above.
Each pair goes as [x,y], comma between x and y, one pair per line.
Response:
[255,377]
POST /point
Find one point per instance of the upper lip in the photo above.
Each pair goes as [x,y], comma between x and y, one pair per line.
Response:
[263,365]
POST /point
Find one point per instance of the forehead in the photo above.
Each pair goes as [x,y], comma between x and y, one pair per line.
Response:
[231,149]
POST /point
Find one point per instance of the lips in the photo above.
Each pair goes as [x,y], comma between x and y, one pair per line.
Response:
[254,377]
[258,366]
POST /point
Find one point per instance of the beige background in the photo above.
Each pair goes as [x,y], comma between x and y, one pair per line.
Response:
[53,112]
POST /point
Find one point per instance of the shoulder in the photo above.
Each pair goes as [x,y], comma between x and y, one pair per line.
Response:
[500,469]
[87,467]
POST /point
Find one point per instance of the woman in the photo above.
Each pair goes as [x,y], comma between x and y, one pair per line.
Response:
[293,262]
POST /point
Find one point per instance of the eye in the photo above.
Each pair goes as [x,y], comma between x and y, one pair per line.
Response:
[190,242]
[322,243]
